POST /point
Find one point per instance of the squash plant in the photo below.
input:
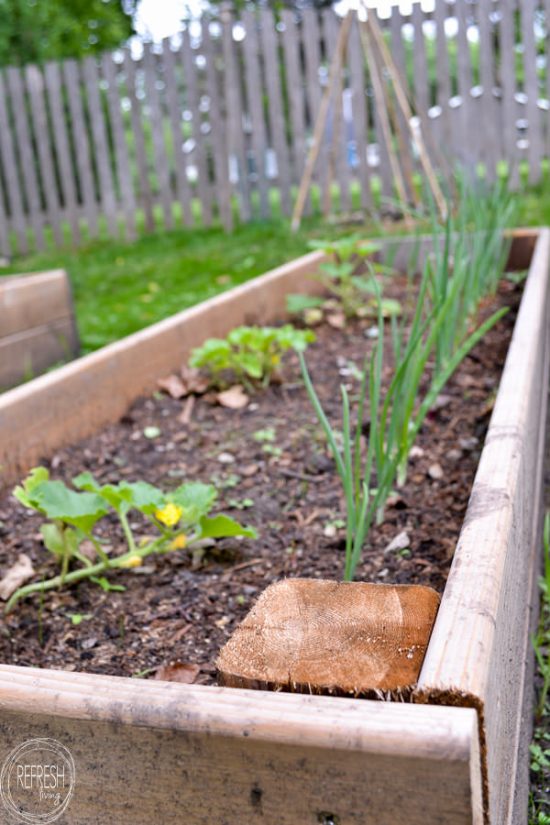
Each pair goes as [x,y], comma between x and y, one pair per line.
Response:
[180,518]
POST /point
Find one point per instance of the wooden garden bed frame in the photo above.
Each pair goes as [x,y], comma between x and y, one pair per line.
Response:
[150,752]
[37,326]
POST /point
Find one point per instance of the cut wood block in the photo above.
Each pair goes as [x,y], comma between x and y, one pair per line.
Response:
[314,636]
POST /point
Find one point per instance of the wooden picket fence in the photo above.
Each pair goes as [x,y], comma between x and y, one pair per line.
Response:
[215,125]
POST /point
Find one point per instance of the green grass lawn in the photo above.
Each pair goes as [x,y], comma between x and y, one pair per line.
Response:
[120,287]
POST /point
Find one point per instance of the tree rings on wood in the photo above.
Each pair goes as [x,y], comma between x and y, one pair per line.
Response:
[333,637]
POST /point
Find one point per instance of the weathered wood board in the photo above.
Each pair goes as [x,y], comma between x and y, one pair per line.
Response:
[481,644]
[148,752]
[37,326]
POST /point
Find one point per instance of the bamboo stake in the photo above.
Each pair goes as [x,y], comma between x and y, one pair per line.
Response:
[382,113]
[336,127]
[320,123]
[402,137]
[402,99]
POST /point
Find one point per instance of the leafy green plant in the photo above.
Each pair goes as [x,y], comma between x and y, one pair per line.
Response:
[180,518]
[351,276]
[249,355]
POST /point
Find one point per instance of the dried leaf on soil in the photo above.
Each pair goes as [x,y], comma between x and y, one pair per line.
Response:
[400,542]
[16,576]
[234,398]
[173,385]
[177,672]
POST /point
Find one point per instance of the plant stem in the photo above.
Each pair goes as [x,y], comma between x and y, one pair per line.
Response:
[82,573]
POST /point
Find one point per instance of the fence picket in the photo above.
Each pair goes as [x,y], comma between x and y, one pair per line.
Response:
[145,190]
[312,55]
[234,118]
[217,123]
[508,83]
[183,189]
[296,97]
[339,137]
[275,107]
[7,150]
[26,154]
[162,169]
[81,146]
[66,175]
[224,121]
[100,145]
[531,90]
[193,106]
[253,82]
[359,112]
[35,85]
[124,174]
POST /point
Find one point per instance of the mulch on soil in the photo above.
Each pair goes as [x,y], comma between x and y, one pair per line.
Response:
[173,609]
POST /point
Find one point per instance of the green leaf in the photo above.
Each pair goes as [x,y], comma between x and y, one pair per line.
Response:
[296,304]
[222,526]
[141,495]
[123,496]
[24,492]
[52,536]
[57,501]
[196,499]
[78,618]
[106,585]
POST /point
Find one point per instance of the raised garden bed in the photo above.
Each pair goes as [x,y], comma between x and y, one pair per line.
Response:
[37,325]
[244,756]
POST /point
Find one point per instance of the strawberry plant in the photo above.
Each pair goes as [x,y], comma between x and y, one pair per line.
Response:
[249,355]
[349,278]
[180,519]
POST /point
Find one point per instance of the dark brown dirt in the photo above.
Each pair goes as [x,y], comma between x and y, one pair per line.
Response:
[171,610]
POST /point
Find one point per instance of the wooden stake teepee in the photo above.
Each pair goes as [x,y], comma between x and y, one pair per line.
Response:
[381,66]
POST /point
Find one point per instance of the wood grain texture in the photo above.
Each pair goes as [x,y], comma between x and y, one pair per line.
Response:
[155,113]
[217,122]
[212,755]
[120,147]
[7,149]
[528,11]
[275,109]
[71,75]
[192,78]
[359,111]
[254,90]
[175,110]
[318,636]
[37,327]
[35,84]
[234,116]
[480,643]
[29,353]
[145,192]
[295,95]
[26,301]
[66,180]
[100,144]
[23,139]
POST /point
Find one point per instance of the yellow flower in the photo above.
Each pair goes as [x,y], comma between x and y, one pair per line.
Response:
[179,542]
[170,514]
[132,561]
